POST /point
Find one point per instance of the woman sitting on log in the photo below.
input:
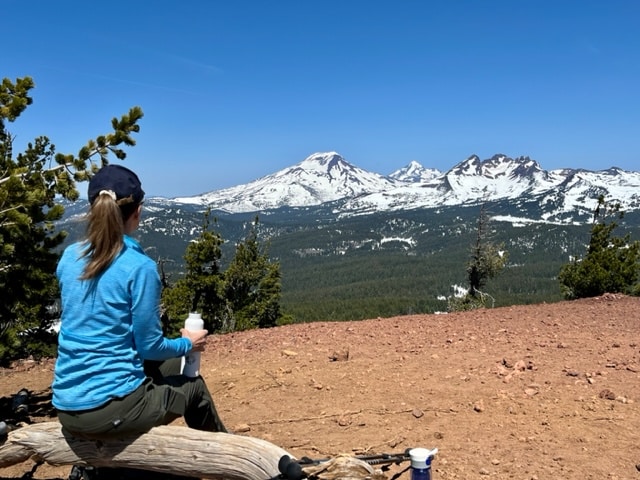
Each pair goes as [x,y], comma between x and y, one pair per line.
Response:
[111,325]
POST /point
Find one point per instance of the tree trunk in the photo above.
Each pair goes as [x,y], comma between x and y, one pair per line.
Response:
[167,449]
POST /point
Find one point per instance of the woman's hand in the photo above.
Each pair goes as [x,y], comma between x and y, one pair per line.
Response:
[198,338]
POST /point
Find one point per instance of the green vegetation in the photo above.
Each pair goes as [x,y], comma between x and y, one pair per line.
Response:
[487,261]
[244,296]
[611,264]
[345,270]
[200,290]
[31,185]
[252,287]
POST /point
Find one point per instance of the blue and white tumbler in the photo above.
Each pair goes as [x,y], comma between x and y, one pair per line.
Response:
[421,463]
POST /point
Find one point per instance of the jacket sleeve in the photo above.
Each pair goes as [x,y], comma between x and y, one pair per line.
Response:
[145,310]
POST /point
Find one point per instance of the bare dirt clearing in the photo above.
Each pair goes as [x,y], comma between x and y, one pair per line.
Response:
[524,392]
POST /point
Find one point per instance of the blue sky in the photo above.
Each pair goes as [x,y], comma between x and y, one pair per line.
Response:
[235,90]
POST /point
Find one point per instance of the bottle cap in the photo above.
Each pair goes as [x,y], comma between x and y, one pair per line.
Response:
[194,321]
[421,457]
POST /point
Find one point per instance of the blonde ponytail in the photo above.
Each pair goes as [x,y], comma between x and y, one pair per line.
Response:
[105,231]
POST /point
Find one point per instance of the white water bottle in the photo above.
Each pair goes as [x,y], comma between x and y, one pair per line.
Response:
[191,361]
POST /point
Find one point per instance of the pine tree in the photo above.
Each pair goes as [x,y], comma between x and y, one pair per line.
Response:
[487,260]
[246,295]
[610,265]
[31,185]
[201,288]
[252,286]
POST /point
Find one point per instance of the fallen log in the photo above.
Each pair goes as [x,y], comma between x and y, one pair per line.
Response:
[166,449]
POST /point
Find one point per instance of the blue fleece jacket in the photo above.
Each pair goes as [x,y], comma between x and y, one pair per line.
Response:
[109,325]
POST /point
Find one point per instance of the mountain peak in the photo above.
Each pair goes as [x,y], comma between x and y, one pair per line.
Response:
[414,172]
[319,178]
[323,158]
[322,161]
[498,165]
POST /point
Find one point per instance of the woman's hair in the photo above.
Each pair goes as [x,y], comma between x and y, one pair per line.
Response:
[105,231]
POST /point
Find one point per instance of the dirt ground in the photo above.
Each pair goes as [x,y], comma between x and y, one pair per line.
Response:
[548,391]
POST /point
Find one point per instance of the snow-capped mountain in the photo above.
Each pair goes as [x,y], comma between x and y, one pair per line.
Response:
[327,177]
[320,178]
[558,193]
[414,172]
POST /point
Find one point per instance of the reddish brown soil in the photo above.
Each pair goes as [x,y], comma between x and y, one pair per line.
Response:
[547,391]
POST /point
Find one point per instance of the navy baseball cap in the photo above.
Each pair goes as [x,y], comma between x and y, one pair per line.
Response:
[117,179]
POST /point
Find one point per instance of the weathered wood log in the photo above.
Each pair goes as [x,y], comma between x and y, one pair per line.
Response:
[167,449]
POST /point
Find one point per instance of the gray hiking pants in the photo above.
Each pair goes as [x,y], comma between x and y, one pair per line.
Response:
[164,396]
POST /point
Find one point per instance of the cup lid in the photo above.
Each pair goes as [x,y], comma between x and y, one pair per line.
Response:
[421,457]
